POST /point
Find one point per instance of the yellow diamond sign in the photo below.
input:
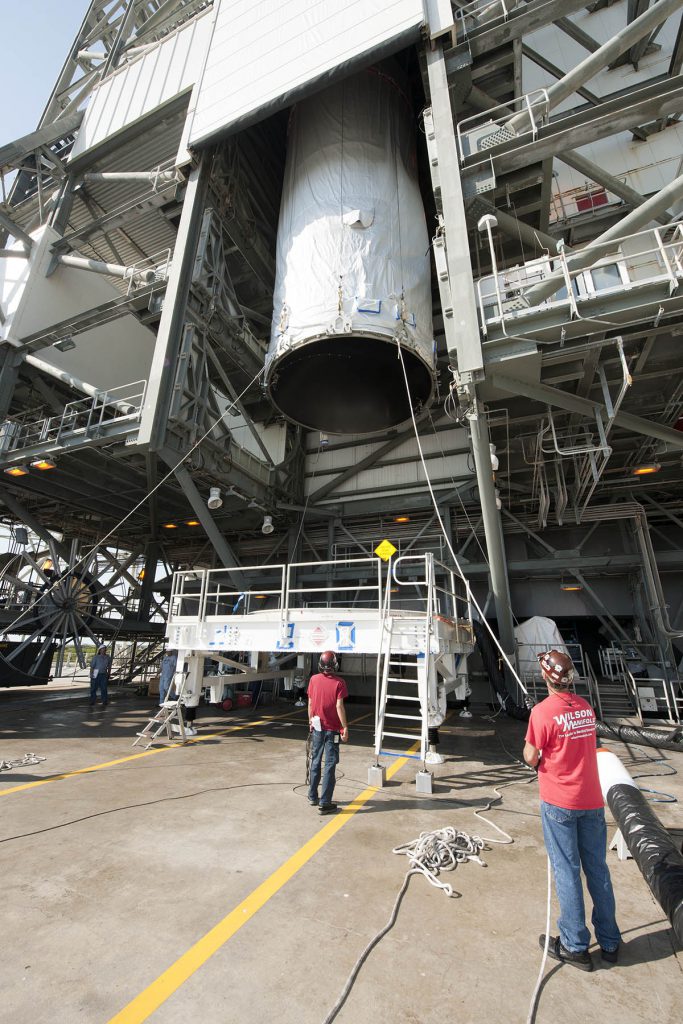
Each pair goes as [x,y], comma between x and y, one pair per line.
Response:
[385,549]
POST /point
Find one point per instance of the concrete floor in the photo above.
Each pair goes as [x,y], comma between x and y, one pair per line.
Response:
[111,876]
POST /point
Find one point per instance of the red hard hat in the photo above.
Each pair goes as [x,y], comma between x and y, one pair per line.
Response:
[328,662]
[558,668]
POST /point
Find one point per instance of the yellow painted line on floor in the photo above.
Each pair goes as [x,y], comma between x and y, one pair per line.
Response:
[145,1004]
[135,757]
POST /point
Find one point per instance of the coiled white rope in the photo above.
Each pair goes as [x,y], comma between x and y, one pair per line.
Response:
[6,766]
[441,850]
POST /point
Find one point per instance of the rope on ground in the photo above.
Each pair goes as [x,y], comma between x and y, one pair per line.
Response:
[441,850]
[21,762]
[433,852]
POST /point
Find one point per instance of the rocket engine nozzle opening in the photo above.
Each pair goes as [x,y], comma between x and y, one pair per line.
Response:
[349,385]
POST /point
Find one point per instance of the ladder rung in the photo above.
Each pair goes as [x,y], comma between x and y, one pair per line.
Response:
[399,679]
[401,696]
[408,718]
[402,735]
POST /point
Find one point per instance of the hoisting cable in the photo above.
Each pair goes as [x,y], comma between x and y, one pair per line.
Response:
[470,595]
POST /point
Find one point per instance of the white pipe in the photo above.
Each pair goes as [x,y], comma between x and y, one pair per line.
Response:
[77,384]
[602,58]
[110,269]
[130,176]
[629,225]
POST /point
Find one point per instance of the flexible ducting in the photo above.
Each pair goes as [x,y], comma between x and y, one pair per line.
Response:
[489,656]
[650,737]
[653,850]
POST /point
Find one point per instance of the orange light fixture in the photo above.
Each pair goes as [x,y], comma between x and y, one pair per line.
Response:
[17,471]
[401,519]
[141,574]
[646,468]
[170,526]
[192,522]
[569,587]
[47,564]
[44,464]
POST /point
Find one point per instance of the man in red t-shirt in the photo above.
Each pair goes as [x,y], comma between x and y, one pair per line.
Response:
[560,742]
[327,717]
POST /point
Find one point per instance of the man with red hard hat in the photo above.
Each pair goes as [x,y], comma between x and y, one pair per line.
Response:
[327,717]
[560,742]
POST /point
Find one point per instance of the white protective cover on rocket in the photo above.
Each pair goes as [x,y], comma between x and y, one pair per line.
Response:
[353,249]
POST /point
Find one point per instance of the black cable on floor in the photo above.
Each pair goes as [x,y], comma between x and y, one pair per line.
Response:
[145,803]
[368,949]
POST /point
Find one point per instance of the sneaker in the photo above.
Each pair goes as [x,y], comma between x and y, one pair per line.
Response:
[313,801]
[557,951]
[189,731]
[610,955]
[327,808]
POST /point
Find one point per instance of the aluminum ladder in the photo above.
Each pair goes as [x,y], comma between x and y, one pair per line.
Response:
[402,678]
[171,711]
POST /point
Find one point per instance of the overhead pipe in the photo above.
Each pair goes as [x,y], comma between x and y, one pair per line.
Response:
[652,580]
[123,176]
[604,243]
[602,177]
[482,101]
[77,384]
[110,269]
[602,58]
[648,842]
[518,229]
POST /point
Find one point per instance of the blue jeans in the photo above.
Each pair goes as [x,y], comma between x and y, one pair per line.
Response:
[164,687]
[99,682]
[575,840]
[327,742]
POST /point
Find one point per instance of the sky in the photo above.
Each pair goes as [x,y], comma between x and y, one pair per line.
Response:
[35,38]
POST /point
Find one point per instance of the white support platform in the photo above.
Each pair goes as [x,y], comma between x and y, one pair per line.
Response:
[415,608]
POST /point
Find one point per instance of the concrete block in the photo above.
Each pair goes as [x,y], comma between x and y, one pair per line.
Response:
[377,776]
[423,782]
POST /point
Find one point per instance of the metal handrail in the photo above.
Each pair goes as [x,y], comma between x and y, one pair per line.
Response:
[666,256]
[631,687]
[593,687]
[537,98]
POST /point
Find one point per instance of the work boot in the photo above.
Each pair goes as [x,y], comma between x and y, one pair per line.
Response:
[327,808]
[557,951]
[609,955]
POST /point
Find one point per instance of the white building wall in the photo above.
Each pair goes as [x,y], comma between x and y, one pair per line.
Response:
[109,356]
[273,436]
[405,472]
[161,73]
[261,51]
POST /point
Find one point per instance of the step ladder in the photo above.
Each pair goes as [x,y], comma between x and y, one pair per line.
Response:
[402,681]
[169,718]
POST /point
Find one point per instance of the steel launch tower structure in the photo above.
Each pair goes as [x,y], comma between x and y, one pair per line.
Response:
[234,228]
